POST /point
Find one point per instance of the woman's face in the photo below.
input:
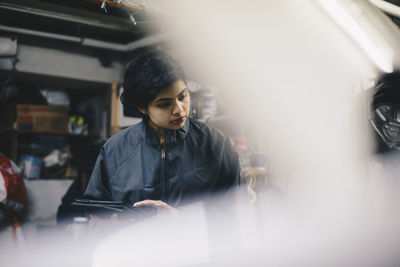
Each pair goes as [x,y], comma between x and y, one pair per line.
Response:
[170,108]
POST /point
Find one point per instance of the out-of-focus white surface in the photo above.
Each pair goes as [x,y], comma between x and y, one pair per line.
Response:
[174,241]
[291,74]
[44,197]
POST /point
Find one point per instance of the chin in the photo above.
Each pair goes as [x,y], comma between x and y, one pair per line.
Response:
[177,126]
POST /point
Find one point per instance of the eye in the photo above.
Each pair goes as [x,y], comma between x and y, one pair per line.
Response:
[181,97]
[164,105]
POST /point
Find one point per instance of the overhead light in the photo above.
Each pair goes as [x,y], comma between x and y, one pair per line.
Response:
[377,51]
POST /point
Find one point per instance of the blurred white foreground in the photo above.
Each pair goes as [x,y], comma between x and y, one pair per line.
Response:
[227,233]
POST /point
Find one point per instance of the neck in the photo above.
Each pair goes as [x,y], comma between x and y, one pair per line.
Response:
[160,132]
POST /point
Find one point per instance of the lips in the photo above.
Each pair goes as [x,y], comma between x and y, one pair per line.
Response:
[178,121]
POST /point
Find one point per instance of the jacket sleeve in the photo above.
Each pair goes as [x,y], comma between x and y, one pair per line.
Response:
[98,187]
[230,173]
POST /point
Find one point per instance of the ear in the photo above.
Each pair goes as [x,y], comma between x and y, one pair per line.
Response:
[143,110]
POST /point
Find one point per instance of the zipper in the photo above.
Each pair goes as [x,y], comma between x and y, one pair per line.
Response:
[163,180]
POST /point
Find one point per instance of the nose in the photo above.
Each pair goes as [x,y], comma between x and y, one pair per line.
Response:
[177,108]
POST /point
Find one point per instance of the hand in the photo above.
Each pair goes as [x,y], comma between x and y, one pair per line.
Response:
[161,206]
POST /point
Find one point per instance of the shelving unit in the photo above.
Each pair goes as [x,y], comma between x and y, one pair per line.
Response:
[75,47]
[16,134]
[95,97]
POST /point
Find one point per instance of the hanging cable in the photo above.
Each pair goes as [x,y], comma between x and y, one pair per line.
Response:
[14,62]
[121,5]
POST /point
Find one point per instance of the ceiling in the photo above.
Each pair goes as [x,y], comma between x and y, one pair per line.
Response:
[117,23]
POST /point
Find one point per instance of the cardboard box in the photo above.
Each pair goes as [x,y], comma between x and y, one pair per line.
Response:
[46,119]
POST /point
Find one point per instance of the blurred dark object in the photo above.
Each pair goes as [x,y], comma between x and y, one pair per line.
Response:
[8,92]
[86,160]
[385,112]
[105,208]
[77,125]
[87,115]
[29,95]
[54,149]
[194,105]
[55,164]
[208,104]
[31,166]
[203,105]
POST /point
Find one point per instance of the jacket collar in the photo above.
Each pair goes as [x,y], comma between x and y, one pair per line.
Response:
[171,136]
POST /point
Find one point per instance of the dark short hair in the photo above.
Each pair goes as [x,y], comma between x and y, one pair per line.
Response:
[146,77]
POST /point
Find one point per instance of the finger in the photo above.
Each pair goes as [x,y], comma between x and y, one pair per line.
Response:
[140,203]
[158,204]
[149,202]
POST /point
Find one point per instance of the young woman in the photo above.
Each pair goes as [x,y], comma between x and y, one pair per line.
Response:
[168,159]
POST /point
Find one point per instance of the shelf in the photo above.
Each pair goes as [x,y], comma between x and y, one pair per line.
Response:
[68,135]
[69,178]
[52,81]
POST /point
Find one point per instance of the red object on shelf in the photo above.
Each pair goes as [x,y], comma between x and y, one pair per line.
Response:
[12,186]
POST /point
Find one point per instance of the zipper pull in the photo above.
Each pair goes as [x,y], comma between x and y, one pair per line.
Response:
[163,153]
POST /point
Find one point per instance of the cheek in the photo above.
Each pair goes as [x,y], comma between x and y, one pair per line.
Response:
[159,115]
[187,105]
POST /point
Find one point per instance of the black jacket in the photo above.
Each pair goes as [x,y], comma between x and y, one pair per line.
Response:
[196,160]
